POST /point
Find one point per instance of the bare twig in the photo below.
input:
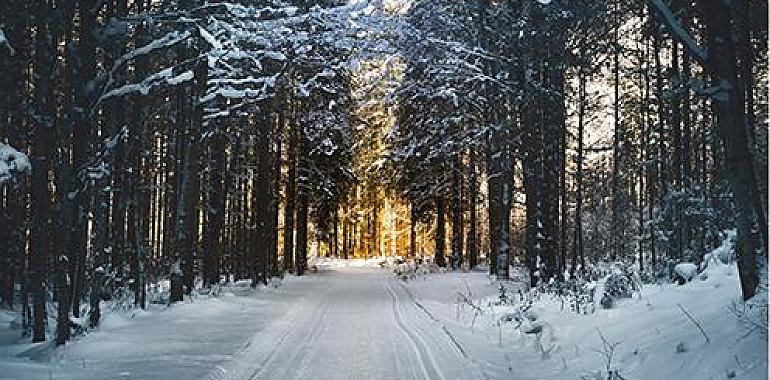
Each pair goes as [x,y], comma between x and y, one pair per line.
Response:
[607,351]
[468,301]
[695,322]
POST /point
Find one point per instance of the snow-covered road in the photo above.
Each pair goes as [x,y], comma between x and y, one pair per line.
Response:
[359,323]
[335,324]
[353,324]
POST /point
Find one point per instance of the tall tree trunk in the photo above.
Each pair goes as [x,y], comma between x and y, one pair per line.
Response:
[302,205]
[345,231]
[553,116]
[215,209]
[291,193]
[745,54]
[661,167]
[189,196]
[739,163]
[82,74]
[42,152]
[413,230]
[457,214]
[13,126]
[335,231]
[261,202]
[498,180]
[275,194]
[440,235]
[577,246]
[302,230]
[614,233]
[532,165]
[473,195]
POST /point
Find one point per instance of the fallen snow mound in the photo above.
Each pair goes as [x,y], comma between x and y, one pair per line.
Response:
[686,270]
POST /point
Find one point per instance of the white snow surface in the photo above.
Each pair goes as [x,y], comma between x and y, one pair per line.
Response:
[12,163]
[357,322]
[5,44]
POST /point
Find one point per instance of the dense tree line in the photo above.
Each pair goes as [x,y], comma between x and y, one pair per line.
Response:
[514,88]
[162,139]
[192,143]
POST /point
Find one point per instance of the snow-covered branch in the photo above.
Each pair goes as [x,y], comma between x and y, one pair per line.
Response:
[678,32]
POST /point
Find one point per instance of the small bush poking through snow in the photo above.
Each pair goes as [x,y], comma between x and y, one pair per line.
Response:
[620,284]
[685,272]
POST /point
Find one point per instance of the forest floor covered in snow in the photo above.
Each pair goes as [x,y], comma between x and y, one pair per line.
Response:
[352,320]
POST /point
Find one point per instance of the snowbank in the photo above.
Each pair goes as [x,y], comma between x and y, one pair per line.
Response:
[652,335]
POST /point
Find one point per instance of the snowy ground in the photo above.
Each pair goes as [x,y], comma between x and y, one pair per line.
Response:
[649,331]
[356,322]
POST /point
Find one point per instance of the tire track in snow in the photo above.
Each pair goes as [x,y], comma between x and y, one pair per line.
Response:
[233,370]
[291,332]
[413,372]
[461,354]
[430,368]
[300,355]
[430,315]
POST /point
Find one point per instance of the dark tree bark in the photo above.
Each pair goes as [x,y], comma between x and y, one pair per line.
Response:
[345,231]
[745,53]
[275,196]
[578,257]
[457,214]
[291,193]
[473,195]
[260,207]
[440,235]
[186,235]
[413,231]
[13,126]
[739,164]
[302,205]
[616,194]
[498,180]
[42,152]
[302,232]
[335,233]
[215,209]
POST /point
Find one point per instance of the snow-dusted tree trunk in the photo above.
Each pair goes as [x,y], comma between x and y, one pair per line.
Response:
[81,130]
[750,248]
[499,208]
[186,234]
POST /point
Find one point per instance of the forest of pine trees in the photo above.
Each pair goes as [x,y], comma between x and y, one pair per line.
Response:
[200,142]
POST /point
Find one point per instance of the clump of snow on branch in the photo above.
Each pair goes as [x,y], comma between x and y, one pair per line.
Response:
[12,163]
